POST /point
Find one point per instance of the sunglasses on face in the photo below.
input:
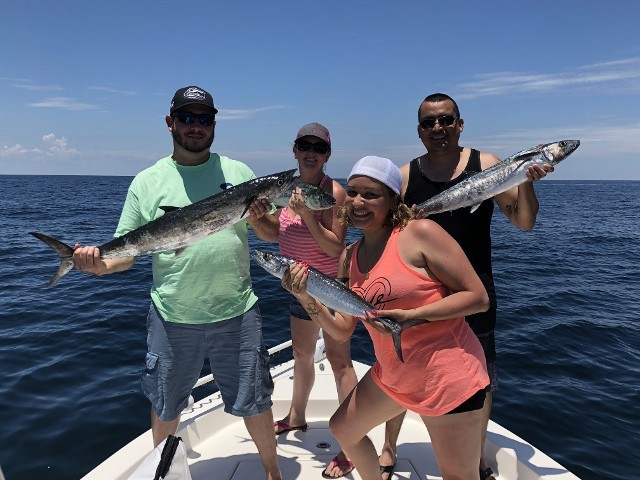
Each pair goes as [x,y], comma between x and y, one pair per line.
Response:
[305,146]
[188,118]
[443,121]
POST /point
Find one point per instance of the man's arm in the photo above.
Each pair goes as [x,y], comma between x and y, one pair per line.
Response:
[87,259]
[520,204]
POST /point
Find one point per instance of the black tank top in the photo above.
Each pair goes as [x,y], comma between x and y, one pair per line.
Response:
[471,230]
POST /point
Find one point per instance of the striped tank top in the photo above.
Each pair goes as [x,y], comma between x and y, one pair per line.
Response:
[295,241]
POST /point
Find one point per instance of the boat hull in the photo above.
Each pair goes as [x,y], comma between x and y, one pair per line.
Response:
[218,442]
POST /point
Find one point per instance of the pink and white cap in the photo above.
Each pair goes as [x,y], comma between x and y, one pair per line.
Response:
[315,130]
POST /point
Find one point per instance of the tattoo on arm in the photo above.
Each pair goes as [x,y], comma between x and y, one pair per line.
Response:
[313,310]
[509,210]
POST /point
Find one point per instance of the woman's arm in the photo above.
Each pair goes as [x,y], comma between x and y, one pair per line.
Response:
[427,248]
[330,232]
[338,325]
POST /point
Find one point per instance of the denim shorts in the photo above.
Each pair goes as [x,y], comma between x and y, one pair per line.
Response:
[237,355]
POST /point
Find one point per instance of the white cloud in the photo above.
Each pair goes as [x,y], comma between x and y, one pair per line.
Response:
[17,149]
[64,103]
[112,90]
[596,141]
[58,147]
[19,80]
[620,75]
[239,114]
[53,147]
[38,88]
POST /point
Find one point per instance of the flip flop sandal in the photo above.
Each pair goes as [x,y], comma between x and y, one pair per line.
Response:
[288,428]
[486,474]
[388,469]
[338,463]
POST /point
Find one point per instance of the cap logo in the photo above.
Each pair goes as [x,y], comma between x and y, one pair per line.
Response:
[194,93]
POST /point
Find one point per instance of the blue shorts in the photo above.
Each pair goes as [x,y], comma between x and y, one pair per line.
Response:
[237,355]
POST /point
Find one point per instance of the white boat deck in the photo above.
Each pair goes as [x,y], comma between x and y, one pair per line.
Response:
[218,445]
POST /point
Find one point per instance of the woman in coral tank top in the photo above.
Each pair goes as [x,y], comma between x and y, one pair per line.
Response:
[408,269]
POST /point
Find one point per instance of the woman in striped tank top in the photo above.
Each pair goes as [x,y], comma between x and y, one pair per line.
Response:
[316,238]
[408,269]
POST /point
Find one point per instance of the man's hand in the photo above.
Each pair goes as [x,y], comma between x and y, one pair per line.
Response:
[87,259]
[536,172]
[259,208]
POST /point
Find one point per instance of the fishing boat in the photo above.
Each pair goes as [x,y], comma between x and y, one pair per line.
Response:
[218,445]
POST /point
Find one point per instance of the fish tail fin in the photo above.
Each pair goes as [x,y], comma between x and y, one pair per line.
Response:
[396,335]
[65,253]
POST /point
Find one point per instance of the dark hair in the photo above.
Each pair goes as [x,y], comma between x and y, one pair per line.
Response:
[440,97]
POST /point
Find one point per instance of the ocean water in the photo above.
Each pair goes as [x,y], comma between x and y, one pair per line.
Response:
[568,335]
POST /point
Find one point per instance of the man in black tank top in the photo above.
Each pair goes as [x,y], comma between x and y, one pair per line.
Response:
[445,164]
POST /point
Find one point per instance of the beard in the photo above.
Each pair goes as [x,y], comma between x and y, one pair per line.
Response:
[192,145]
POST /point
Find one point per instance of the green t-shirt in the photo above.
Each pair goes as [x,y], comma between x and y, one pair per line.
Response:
[209,281]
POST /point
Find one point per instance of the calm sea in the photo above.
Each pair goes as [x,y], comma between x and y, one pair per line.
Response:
[568,329]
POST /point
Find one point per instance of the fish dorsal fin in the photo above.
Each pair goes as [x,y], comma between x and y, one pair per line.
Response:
[247,204]
[475,207]
[167,209]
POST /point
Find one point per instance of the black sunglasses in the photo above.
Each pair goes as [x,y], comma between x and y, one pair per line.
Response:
[188,118]
[319,147]
[443,121]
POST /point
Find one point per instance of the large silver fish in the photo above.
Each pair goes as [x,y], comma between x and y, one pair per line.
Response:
[499,178]
[333,294]
[180,227]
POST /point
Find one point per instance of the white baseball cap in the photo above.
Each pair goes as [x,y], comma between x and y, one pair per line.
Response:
[379,168]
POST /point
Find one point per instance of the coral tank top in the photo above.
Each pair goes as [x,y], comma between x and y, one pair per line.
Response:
[444,362]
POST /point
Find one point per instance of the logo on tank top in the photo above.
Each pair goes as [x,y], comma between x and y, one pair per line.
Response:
[377,293]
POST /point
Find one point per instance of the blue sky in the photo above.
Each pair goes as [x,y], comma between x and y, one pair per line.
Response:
[84,86]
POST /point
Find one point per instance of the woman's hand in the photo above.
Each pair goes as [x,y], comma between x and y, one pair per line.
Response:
[295,278]
[296,203]
[396,315]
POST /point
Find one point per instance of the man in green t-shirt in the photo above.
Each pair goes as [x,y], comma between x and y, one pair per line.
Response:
[203,304]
